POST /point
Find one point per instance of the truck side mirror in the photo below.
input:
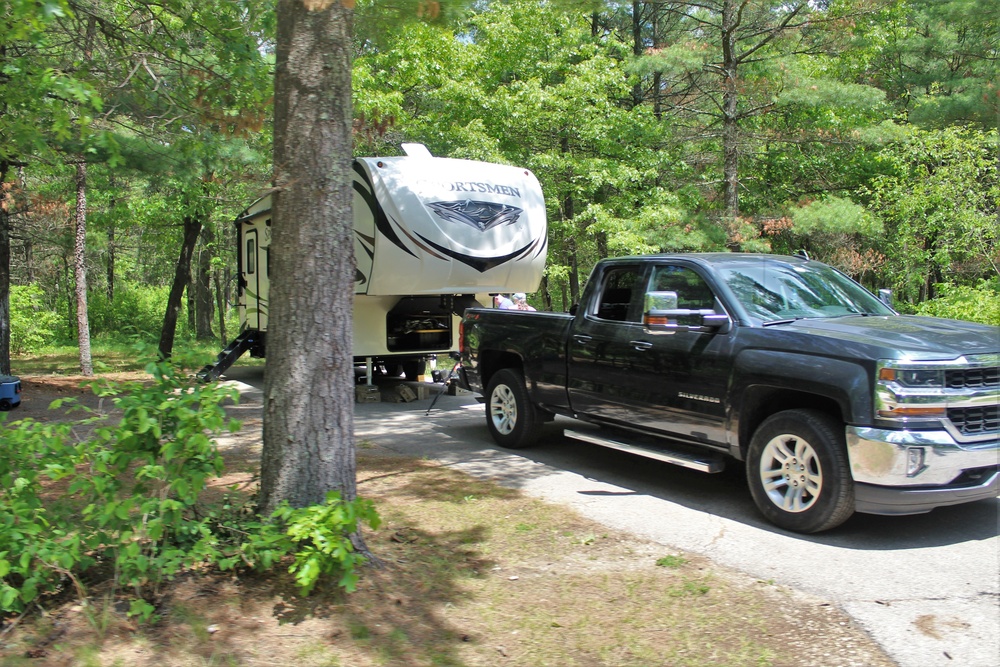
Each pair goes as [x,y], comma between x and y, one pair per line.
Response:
[662,314]
[660,301]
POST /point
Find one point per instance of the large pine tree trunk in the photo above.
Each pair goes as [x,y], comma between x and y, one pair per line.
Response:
[80,269]
[192,227]
[308,383]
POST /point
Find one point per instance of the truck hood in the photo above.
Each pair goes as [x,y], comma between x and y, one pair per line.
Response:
[907,336]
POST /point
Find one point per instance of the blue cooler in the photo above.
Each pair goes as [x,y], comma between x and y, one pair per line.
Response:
[10,392]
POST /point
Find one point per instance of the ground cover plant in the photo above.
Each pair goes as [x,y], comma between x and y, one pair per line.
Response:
[470,574]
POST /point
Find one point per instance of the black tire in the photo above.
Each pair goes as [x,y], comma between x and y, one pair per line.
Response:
[414,368]
[393,369]
[513,420]
[798,471]
[5,405]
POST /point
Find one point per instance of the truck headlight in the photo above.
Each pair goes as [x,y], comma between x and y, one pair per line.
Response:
[912,377]
[910,390]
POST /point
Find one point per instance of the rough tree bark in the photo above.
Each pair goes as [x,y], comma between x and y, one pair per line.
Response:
[80,270]
[308,382]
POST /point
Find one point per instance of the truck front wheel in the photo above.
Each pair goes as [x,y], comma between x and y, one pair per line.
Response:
[798,472]
[512,418]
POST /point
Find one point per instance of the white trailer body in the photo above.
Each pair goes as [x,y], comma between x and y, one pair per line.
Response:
[432,237]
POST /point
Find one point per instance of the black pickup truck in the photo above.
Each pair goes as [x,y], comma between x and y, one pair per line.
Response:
[834,402]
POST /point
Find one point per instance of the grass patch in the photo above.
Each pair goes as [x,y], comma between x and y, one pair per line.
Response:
[107,356]
[671,561]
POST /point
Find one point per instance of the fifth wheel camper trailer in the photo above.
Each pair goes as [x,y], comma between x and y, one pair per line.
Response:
[432,237]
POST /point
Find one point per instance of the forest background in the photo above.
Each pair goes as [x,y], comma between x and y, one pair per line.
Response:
[862,131]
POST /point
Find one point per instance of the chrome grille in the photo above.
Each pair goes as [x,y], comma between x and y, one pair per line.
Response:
[961,378]
[977,420]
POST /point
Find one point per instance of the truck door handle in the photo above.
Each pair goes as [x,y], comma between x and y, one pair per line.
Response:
[640,345]
[580,339]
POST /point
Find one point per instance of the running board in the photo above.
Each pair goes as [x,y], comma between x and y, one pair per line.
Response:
[701,461]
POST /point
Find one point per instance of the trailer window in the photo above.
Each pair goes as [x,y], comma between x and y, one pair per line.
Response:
[251,255]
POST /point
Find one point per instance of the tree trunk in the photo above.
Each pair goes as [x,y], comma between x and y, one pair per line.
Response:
[637,49]
[308,447]
[220,305]
[110,268]
[182,274]
[80,269]
[730,121]
[204,304]
[6,204]
[190,293]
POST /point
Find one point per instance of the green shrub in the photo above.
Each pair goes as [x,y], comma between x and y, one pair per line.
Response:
[136,312]
[32,324]
[963,302]
[132,496]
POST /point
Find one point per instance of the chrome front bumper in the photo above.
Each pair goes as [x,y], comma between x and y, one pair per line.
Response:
[908,472]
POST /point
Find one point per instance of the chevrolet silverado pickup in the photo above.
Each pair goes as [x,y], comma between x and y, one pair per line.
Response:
[832,401]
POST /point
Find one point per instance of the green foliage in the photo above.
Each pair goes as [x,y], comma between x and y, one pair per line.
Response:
[936,60]
[136,312]
[32,325]
[980,303]
[130,495]
[322,534]
[937,200]
[834,215]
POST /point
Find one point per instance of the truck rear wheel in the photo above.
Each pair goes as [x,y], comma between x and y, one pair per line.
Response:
[513,420]
[798,472]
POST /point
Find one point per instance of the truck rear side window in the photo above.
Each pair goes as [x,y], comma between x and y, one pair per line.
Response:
[617,293]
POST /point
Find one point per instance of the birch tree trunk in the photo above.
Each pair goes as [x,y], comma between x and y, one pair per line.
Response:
[80,269]
[308,381]
[6,205]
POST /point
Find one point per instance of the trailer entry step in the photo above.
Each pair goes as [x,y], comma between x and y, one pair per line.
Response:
[245,341]
[696,461]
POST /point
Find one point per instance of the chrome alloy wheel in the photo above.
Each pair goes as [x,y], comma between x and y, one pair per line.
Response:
[790,473]
[503,409]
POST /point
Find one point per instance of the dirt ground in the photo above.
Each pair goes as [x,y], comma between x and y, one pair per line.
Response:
[39,391]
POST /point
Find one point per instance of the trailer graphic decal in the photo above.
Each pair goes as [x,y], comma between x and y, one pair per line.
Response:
[482,215]
[481,264]
[381,223]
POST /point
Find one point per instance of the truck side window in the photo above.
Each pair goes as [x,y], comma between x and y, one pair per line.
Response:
[692,291]
[617,293]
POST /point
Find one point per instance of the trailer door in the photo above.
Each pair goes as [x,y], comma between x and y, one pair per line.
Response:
[251,271]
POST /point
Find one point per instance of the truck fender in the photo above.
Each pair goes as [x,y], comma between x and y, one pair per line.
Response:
[768,381]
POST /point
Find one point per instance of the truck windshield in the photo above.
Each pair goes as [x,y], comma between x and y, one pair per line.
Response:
[777,292]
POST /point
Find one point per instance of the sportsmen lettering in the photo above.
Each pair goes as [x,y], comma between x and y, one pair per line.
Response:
[469,186]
